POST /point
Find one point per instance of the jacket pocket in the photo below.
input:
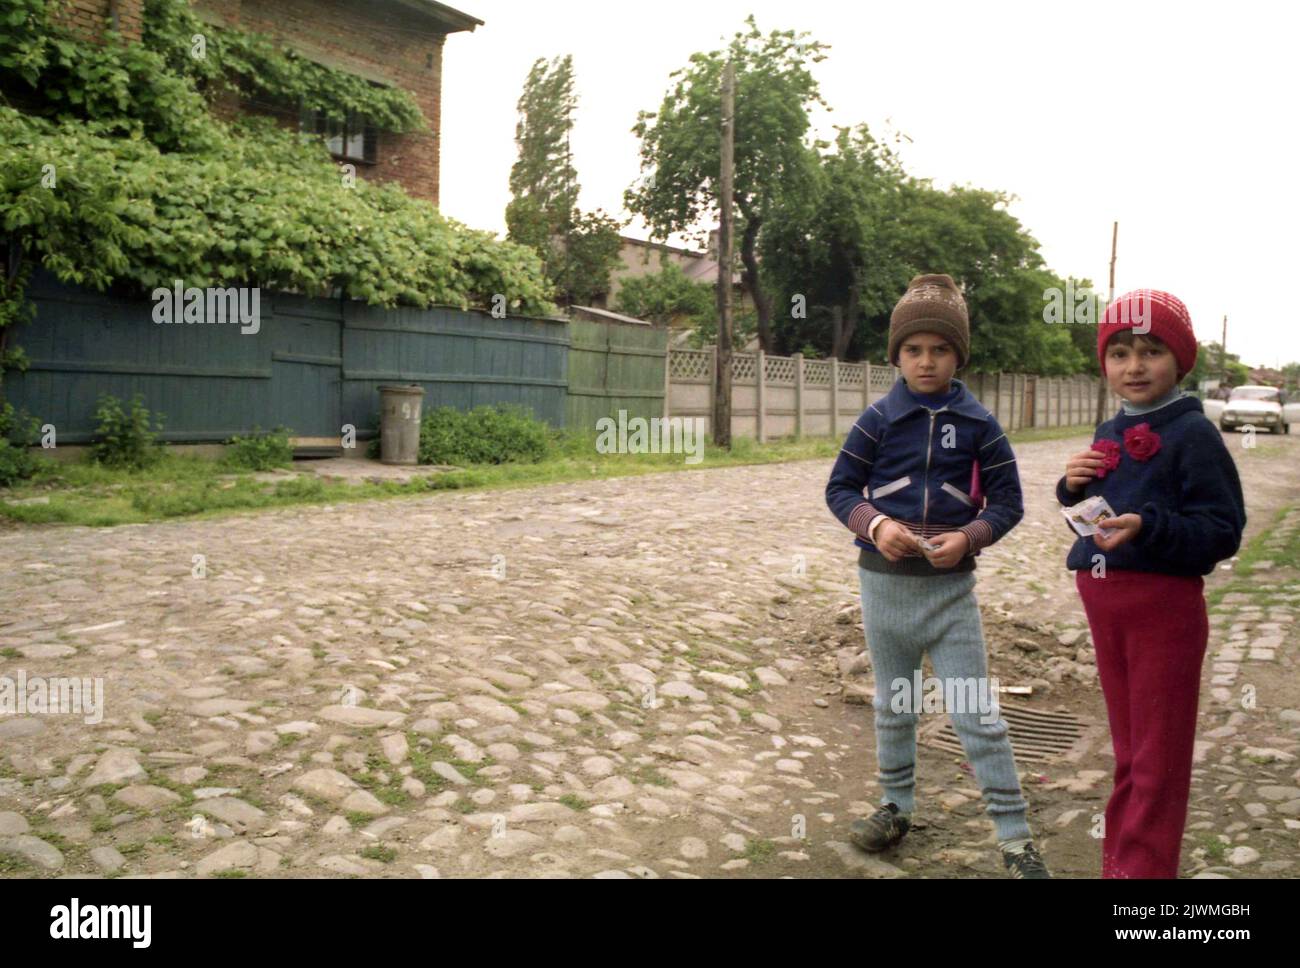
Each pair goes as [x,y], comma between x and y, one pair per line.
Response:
[959,494]
[884,490]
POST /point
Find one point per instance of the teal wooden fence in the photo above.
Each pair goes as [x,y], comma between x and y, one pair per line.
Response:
[313,366]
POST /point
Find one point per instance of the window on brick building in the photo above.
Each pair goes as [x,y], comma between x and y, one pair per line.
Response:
[350,139]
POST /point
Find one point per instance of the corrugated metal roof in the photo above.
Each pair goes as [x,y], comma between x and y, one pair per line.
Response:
[605,314]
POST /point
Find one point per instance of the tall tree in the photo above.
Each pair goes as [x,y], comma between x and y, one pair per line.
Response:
[775,164]
[830,263]
[543,182]
[578,250]
[848,256]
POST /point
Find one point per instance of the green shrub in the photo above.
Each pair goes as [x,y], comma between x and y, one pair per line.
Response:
[124,439]
[260,451]
[485,435]
[17,434]
[16,463]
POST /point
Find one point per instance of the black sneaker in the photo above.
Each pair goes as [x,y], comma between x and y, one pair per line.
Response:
[1027,864]
[883,829]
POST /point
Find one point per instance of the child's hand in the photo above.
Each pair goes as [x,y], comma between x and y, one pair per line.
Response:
[1117,531]
[953,546]
[894,541]
[1082,468]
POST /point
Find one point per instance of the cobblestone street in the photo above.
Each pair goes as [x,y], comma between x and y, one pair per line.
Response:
[635,677]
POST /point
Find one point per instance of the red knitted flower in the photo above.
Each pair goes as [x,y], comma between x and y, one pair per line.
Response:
[1110,456]
[1141,442]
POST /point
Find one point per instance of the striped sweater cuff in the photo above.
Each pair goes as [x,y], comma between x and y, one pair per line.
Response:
[980,534]
[860,519]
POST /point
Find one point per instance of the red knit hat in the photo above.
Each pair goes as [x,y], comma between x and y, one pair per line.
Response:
[1151,311]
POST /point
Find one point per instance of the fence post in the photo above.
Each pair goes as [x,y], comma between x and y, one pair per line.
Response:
[668,379]
[866,384]
[713,387]
[798,396]
[760,395]
[835,397]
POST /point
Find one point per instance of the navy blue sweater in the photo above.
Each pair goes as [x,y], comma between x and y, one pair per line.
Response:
[1188,494]
[915,463]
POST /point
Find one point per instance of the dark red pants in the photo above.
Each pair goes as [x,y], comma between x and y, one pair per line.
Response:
[1150,632]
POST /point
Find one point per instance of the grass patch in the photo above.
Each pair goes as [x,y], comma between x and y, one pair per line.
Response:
[1242,581]
[231,874]
[92,495]
[391,792]
[185,486]
[757,851]
[648,774]
[1215,849]
[13,865]
[574,802]
[385,855]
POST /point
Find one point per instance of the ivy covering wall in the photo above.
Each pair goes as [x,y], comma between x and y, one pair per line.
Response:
[115,170]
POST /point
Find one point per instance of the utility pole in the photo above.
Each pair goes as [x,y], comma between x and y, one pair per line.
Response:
[722,384]
[570,202]
[1223,354]
[1102,384]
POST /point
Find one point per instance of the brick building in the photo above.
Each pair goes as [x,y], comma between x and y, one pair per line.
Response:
[396,43]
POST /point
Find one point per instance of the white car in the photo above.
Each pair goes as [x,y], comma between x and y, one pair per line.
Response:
[1255,406]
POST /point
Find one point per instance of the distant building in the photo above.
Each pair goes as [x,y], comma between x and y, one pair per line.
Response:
[642,258]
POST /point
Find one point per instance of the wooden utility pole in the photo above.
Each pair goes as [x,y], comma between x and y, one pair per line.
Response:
[722,394]
[1102,384]
[1223,354]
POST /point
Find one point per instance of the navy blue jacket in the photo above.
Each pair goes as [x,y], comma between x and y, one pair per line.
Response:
[914,463]
[1188,494]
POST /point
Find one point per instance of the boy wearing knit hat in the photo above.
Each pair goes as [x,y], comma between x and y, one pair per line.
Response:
[1164,470]
[926,478]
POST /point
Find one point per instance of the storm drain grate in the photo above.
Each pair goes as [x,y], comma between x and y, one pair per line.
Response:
[1036,735]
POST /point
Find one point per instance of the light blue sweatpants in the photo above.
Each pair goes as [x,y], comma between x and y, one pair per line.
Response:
[905,617]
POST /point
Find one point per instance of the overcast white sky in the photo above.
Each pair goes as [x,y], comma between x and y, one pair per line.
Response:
[1179,120]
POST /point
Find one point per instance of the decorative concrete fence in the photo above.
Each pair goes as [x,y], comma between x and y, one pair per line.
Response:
[789,396]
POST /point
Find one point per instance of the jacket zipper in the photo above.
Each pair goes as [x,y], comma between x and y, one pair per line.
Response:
[929,446]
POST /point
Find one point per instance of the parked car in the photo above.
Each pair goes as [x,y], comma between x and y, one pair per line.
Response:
[1255,406]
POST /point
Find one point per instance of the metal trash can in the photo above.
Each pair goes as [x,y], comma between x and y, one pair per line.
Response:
[399,424]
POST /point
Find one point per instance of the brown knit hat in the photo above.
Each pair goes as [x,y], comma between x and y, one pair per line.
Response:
[932,304]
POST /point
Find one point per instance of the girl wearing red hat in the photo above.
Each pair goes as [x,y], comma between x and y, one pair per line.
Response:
[1163,468]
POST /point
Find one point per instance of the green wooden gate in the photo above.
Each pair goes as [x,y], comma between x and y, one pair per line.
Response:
[613,367]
